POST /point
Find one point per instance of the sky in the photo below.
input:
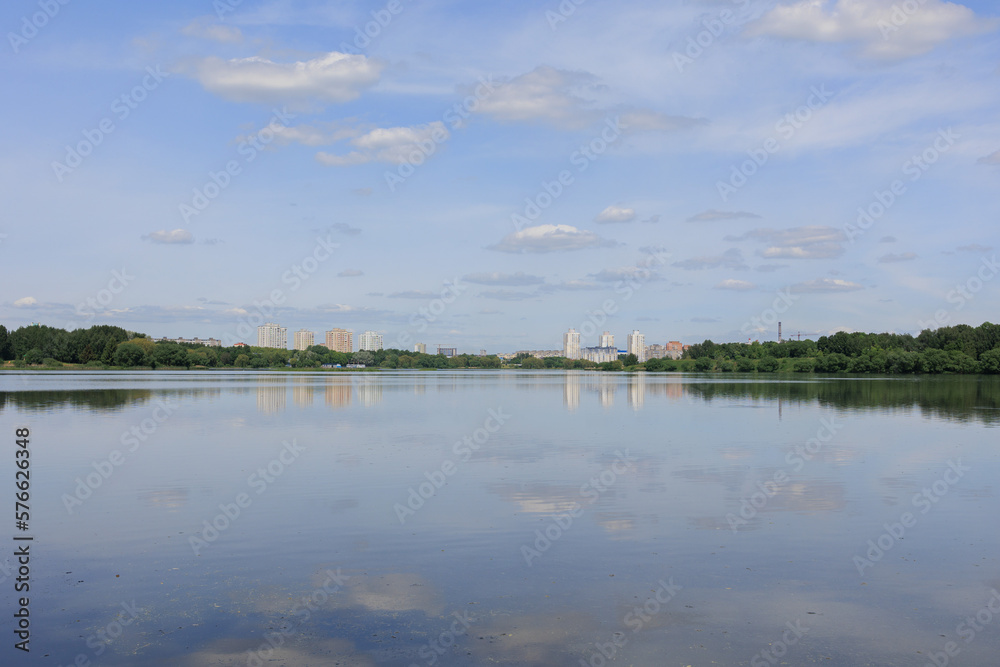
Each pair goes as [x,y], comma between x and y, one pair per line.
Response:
[489,175]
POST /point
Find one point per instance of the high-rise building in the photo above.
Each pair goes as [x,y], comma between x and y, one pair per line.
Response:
[370,340]
[421,348]
[607,340]
[304,339]
[448,352]
[571,344]
[637,345]
[340,340]
[270,334]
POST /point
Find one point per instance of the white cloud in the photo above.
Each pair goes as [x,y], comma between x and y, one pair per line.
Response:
[737,285]
[412,294]
[731,259]
[974,247]
[636,273]
[177,236]
[394,145]
[507,295]
[333,77]
[544,94]
[826,285]
[897,257]
[882,29]
[26,302]
[808,242]
[616,214]
[202,29]
[519,279]
[712,215]
[568,101]
[992,158]
[550,238]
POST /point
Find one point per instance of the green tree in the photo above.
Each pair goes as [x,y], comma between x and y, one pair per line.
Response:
[108,356]
[704,364]
[745,365]
[34,357]
[804,365]
[130,355]
[532,363]
[242,361]
[363,357]
[768,365]
[6,351]
[628,359]
[989,361]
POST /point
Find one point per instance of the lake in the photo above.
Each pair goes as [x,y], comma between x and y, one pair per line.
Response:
[513,518]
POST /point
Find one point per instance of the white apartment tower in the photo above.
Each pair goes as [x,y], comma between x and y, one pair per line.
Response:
[571,344]
[607,340]
[370,340]
[303,339]
[270,334]
[637,345]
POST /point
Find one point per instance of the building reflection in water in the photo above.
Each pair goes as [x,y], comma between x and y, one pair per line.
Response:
[636,390]
[302,391]
[571,392]
[338,391]
[271,398]
[606,390]
[369,390]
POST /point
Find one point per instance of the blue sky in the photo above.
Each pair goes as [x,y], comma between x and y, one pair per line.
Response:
[494,174]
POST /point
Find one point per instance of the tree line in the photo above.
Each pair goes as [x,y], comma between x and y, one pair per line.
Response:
[956,349]
[113,347]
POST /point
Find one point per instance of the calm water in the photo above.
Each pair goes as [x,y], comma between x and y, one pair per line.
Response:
[468,518]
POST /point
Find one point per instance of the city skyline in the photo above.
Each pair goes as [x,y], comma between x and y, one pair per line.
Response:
[486,174]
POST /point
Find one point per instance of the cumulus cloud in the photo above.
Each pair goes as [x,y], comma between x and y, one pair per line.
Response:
[550,238]
[519,279]
[826,285]
[737,285]
[345,228]
[330,78]
[808,242]
[393,145]
[26,302]
[731,259]
[896,257]
[204,29]
[350,273]
[881,29]
[616,214]
[712,215]
[176,236]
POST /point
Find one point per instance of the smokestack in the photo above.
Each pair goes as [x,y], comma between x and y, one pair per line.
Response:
[779,332]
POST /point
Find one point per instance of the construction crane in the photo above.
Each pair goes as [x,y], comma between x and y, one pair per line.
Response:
[800,334]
